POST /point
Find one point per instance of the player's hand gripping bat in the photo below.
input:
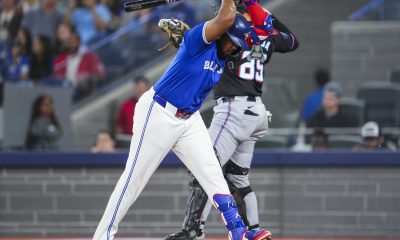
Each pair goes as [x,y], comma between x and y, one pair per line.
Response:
[143,4]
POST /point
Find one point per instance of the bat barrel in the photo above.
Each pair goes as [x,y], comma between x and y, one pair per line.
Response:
[143,4]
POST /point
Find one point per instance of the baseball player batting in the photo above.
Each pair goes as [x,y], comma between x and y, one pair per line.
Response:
[240,119]
[167,117]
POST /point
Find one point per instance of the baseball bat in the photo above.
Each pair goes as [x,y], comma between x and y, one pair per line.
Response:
[143,4]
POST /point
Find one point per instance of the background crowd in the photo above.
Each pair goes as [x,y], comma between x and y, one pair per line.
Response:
[52,42]
[71,44]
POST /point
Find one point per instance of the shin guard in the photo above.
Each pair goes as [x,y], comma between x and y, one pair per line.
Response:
[229,213]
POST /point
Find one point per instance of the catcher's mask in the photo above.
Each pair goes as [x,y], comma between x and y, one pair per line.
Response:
[239,32]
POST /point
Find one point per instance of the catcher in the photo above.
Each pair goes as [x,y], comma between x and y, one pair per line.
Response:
[240,118]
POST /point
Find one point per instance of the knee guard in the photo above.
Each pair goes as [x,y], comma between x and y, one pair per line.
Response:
[232,168]
[197,199]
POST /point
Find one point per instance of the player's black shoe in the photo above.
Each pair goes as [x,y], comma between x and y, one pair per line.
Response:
[182,235]
[200,235]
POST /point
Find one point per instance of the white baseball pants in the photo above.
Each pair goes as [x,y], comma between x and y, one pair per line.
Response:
[156,131]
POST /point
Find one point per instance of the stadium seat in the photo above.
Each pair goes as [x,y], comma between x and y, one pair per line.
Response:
[344,141]
[354,109]
[382,103]
[271,141]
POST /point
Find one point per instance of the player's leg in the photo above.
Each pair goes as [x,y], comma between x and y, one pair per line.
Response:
[196,199]
[224,143]
[155,134]
[224,131]
[241,163]
[228,129]
[237,172]
[223,134]
[194,148]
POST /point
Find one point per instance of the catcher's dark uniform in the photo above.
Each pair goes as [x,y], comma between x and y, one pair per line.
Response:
[246,78]
[240,119]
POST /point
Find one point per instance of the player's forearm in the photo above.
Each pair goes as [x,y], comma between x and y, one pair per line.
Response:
[222,22]
[256,11]
[227,13]
[293,43]
[278,25]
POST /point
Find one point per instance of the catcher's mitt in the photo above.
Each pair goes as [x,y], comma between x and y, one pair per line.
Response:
[175,29]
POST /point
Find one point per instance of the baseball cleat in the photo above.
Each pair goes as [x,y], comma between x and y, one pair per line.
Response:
[182,235]
[257,234]
[201,237]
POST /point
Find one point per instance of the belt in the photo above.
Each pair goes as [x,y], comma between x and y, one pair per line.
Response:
[181,114]
[243,98]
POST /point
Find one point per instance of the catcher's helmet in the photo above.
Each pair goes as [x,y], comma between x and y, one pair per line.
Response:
[239,30]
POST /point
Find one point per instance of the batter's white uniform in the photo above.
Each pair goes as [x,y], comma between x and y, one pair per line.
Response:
[157,131]
[166,117]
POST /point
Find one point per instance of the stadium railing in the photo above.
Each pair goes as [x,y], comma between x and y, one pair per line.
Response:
[377,10]
[285,138]
[262,157]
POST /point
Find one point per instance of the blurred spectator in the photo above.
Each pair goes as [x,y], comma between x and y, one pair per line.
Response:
[43,21]
[129,18]
[42,59]
[105,142]
[124,123]
[117,10]
[44,130]
[82,70]
[373,139]
[64,31]
[18,64]
[115,6]
[10,19]
[182,11]
[319,140]
[30,5]
[314,99]
[91,19]
[330,115]
[24,39]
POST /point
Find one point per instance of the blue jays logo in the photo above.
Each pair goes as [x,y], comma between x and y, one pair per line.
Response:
[212,66]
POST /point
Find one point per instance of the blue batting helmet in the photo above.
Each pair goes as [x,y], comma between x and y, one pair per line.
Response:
[239,30]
